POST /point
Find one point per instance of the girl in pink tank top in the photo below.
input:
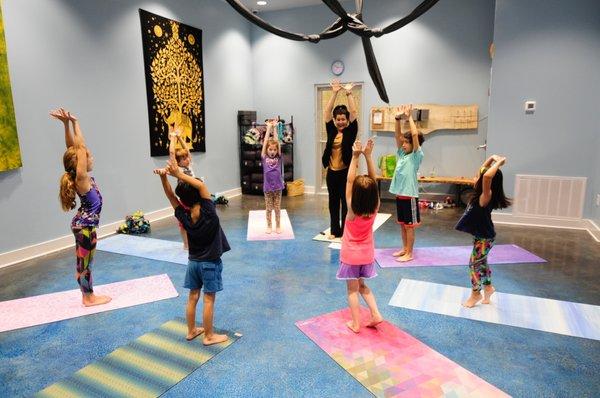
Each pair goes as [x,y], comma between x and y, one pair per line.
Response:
[357,254]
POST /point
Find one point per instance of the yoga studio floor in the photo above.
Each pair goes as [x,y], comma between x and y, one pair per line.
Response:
[270,285]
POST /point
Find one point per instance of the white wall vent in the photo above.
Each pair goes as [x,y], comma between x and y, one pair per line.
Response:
[549,196]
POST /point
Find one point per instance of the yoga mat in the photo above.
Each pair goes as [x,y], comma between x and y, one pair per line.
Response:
[153,249]
[53,307]
[455,255]
[390,362]
[554,316]
[380,218]
[146,367]
[257,225]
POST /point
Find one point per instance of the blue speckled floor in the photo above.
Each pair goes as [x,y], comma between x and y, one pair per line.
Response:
[270,285]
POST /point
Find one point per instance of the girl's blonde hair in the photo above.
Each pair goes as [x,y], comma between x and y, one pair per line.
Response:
[67,193]
[180,154]
[271,143]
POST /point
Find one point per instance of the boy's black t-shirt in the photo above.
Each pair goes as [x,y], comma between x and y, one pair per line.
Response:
[206,239]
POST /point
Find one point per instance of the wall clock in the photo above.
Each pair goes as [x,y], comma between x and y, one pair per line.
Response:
[337,67]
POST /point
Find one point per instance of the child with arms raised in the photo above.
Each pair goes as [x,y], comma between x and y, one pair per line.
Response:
[183,159]
[477,221]
[357,255]
[405,185]
[272,181]
[76,181]
[207,243]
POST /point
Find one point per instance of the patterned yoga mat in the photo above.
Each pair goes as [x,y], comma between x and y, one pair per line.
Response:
[390,362]
[547,315]
[146,367]
[150,248]
[257,226]
[53,307]
[455,255]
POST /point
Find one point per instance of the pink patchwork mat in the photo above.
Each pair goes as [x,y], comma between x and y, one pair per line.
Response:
[46,308]
[390,362]
[257,225]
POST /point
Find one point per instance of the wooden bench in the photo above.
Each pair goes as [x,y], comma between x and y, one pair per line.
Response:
[463,184]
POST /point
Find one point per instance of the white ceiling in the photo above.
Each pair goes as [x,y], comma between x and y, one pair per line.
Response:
[273,5]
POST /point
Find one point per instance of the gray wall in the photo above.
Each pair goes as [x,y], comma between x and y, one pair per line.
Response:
[442,58]
[87,56]
[548,51]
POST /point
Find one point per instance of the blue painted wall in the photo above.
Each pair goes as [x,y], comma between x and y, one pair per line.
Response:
[548,51]
[442,58]
[87,56]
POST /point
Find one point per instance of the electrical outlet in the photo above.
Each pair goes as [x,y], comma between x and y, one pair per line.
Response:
[598,199]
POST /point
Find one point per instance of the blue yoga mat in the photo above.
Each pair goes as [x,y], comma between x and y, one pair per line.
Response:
[153,249]
[547,315]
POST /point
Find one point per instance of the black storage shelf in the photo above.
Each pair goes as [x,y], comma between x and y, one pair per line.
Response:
[251,172]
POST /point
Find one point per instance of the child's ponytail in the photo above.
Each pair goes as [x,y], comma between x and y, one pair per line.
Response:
[67,181]
[67,192]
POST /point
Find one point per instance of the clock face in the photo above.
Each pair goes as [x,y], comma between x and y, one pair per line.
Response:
[337,67]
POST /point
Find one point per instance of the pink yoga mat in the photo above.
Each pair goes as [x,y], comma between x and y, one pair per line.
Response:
[257,226]
[455,255]
[38,310]
[390,362]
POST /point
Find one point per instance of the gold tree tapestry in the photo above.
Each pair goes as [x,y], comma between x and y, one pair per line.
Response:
[174,82]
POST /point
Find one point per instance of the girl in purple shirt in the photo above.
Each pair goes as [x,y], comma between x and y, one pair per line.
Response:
[272,181]
[78,162]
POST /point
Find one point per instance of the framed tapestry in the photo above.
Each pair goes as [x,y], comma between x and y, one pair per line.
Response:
[10,153]
[174,82]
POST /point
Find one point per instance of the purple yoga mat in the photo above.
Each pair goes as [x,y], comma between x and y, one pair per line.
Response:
[455,255]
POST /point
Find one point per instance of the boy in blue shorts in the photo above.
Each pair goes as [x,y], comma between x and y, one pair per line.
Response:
[206,242]
[404,183]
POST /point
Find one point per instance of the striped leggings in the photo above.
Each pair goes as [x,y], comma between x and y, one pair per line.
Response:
[85,248]
[273,202]
[479,271]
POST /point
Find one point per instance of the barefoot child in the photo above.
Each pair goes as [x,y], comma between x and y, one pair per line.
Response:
[358,250]
[272,181]
[477,220]
[207,243]
[404,183]
[78,162]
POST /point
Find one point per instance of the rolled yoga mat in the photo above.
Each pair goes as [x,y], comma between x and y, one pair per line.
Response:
[153,249]
[547,315]
[146,367]
[257,226]
[53,307]
[455,255]
[390,362]
[380,219]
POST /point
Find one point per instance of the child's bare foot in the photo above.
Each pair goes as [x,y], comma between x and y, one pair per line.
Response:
[197,332]
[353,327]
[405,257]
[375,320]
[399,253]
[214,339]
[268,230]
[487,294]
[278,230]
[331,237]
[473,299]
[90,300]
